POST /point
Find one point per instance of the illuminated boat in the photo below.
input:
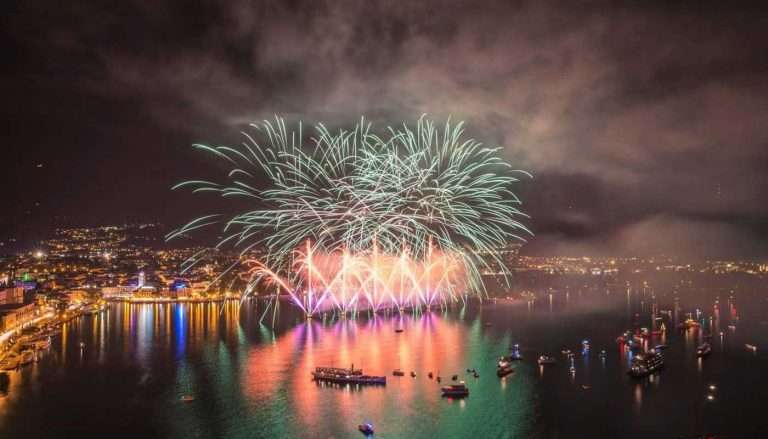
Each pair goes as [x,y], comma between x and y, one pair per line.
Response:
[689,323]
[366,429]
[504,368]
[646,364]
[27,357]
[545,360]
[458,390]
[340,376]
[703,350]
[10,362]
[398,373]
[339,370]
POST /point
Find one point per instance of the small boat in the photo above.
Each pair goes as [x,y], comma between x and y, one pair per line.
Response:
[186,398]
[646,364]
[469,370]
[10,362]
[439,379]
[430,375]
[454,378]
[586,387]
[43,344]
[567,352]
[455,390]
[413,374]
[504,368]
[82,344]
[475,374]
[27,357]
[660,347]
[751,347]
[546,360]
[399,330]
[603,354]
[398,373]
[703,350]
[366,428]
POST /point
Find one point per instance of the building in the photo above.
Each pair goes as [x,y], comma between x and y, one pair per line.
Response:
[14,315]
[11,295]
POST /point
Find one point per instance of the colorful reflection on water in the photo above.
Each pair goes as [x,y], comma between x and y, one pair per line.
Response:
[248,380]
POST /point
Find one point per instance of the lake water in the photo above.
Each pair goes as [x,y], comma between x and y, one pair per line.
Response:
[249,380]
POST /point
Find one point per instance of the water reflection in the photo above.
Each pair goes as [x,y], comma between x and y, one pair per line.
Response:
[212,370]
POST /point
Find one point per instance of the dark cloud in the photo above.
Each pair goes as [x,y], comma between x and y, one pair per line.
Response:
[639,120]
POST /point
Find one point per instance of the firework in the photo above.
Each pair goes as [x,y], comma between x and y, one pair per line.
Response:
[338,213]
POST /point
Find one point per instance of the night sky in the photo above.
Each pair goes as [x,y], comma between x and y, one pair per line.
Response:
[645,124]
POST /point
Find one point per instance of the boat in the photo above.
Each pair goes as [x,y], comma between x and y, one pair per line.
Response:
[366,428]
[413,374]
[751,347]
[342,376]
[660,347]
[545,360]
[603,354]
[455,390]
[586,387]
[398,373]
[399,330]
[430,375]
[703,350]
[567,352]
[10,362]
[439,379]
[44,343]
[187,398]
[475,374]
[515,356]
[504,368]
[27,357]
[689,323]
[646,364]
[339,370]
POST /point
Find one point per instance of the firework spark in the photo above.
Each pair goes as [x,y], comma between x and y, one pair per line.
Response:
[371,204]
